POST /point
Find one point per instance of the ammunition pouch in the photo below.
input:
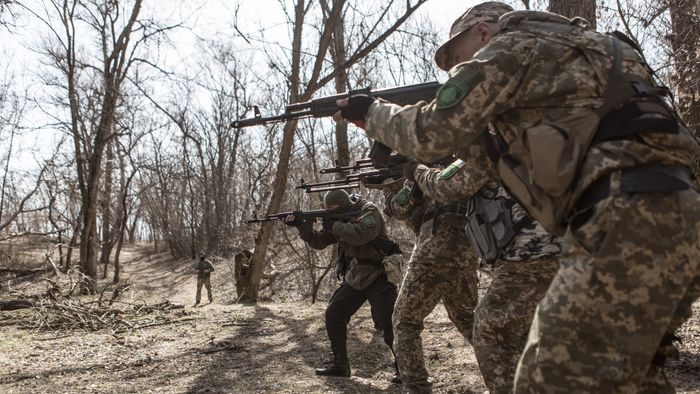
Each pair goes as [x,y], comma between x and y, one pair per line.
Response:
[490,226]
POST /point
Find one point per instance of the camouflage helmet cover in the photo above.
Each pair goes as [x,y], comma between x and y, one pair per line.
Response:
[488,12]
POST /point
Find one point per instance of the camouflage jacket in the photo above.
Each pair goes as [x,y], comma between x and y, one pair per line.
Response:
[525,76]
[459,180]
[404,205]
[204,268]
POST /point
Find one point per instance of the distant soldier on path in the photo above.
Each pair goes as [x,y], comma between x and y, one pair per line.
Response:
[203,268]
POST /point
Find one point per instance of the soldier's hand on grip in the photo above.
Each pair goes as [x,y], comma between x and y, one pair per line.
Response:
[354,109]
[328,225]
[292,220]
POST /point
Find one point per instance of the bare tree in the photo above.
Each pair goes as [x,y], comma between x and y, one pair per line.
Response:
[299,91]
[18,190]
[5,9]
[684,38]
[585,9]
[93,92]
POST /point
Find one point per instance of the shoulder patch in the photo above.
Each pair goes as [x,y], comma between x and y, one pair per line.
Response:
[367,218]
[463,78]
[402,196]
[452,92]
[452,169]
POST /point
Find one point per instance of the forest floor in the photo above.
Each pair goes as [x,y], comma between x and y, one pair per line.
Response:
[235,348]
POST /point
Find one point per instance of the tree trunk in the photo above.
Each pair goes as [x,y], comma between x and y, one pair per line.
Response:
[586,9]
[88,251]
[342,83]
[73,244]
[251,282]
[107,233]
[685,20]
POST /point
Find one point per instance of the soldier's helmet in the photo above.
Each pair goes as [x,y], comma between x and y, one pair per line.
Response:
[202,255]
[489,11]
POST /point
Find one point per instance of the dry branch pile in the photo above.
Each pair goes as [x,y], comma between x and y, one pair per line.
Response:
[73,314]
[56,310]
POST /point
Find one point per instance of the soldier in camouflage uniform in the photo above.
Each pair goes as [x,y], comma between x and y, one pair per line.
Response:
[203,268]
[520,275]
[359,266]
[442,267]
[587,144]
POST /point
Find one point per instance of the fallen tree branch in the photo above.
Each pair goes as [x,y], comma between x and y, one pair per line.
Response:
[157,324]
[13,305]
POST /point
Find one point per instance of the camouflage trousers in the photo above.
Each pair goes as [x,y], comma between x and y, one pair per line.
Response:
[442,267]
[628,276]
[502,318]
[206,282]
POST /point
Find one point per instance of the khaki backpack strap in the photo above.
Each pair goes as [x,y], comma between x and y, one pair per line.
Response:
[617,90]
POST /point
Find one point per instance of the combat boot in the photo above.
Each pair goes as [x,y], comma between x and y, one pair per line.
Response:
[333,370]
[340,366]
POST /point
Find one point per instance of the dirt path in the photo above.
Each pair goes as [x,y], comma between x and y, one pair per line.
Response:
[159,276]
[267,348]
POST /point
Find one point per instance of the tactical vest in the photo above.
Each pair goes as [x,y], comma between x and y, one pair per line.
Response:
[540,166]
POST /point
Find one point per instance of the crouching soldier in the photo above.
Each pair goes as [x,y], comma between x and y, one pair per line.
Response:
[362,245]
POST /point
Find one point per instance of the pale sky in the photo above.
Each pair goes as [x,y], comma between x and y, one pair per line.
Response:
[21,64]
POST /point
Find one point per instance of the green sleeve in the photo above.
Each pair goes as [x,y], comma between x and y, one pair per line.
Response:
[461,179]
[316,239]
[361,231]
[402,204]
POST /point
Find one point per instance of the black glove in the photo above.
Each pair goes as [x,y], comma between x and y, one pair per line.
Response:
[328,225]
[409,168]
[296,222]
[341,268]
[357,107]
[339,273]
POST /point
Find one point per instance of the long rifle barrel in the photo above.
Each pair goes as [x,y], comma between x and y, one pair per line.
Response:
[350,181]
[360,164]
[326,106]
[305,215]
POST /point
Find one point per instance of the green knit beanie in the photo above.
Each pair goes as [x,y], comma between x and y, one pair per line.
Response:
[338,199]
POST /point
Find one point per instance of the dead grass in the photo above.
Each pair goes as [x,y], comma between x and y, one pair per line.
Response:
[271,347]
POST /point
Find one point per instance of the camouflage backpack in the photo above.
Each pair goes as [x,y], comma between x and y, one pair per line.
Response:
[540,167]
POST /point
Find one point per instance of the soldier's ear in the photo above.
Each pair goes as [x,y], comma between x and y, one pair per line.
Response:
[484,31]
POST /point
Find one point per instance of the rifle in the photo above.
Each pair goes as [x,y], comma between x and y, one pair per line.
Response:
[306,215]
[326,106]
[352,180]
[392,160]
